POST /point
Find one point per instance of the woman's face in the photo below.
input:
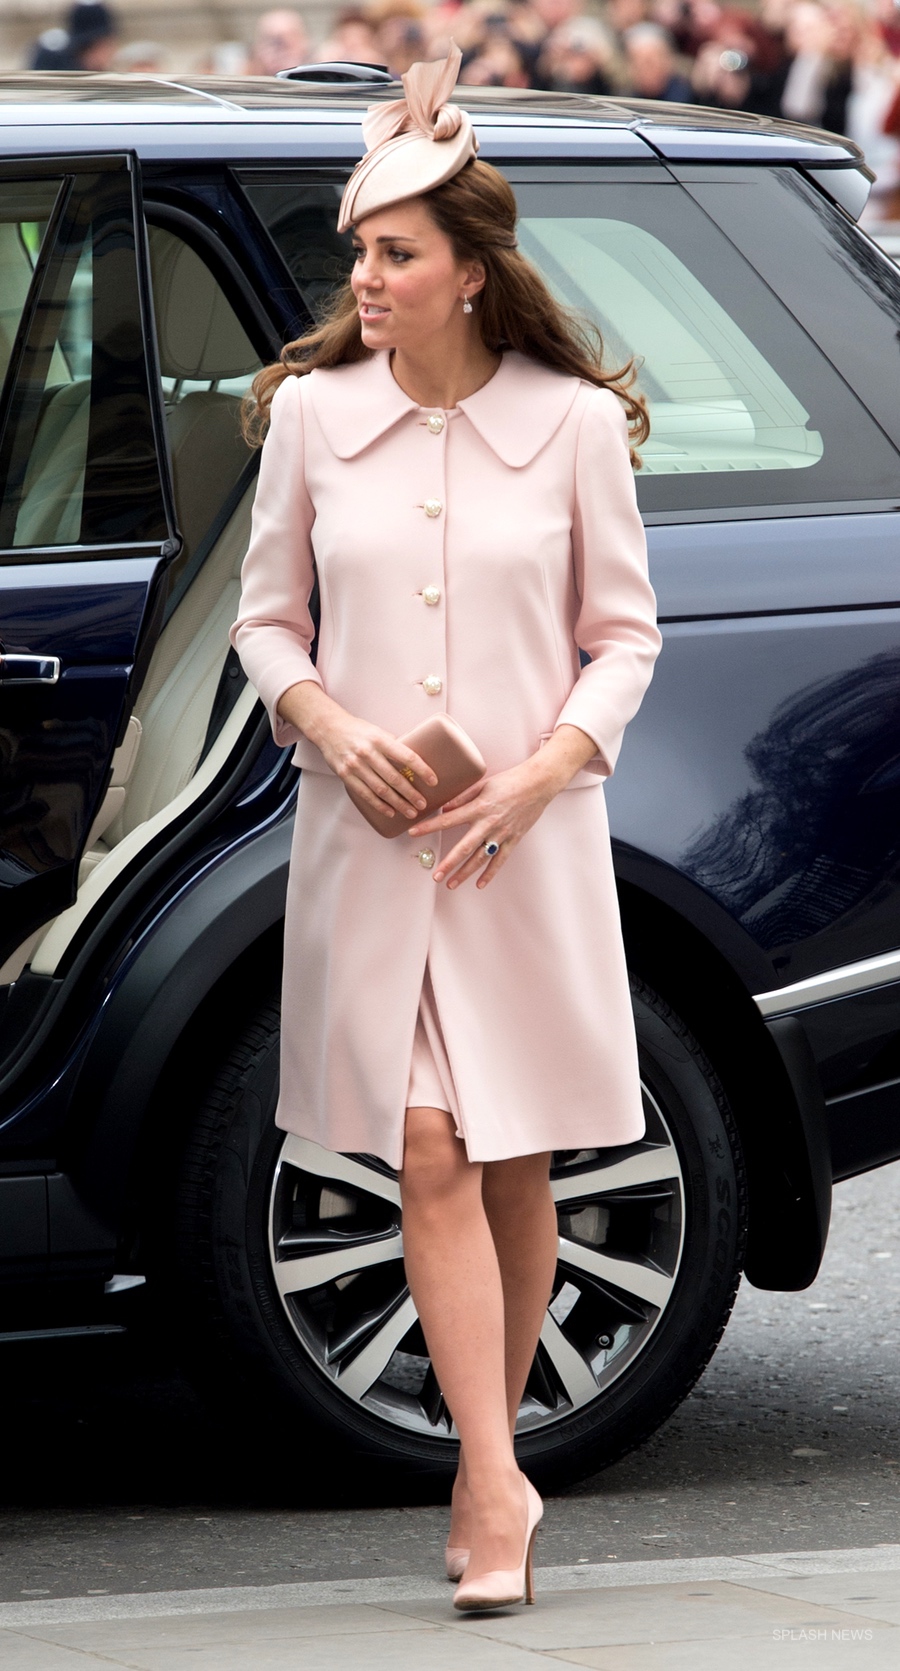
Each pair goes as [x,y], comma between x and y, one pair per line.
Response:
[408,283]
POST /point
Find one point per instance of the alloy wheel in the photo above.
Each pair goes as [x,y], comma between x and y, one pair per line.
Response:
[336,1250]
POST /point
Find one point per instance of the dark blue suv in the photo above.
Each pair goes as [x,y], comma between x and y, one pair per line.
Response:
[159,242]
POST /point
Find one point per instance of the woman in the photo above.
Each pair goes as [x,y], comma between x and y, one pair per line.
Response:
[446,456]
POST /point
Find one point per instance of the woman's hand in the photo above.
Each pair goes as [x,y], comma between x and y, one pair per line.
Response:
[365,758]
[503,808]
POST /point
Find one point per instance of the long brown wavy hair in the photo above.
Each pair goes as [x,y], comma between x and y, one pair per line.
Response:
[476,209]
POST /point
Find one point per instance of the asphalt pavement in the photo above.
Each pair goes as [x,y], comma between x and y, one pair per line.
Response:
[118,1484]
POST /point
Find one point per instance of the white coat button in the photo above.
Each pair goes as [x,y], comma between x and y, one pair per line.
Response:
[432,686]
[425,857]
[431,595]
[432,507]
[435,423]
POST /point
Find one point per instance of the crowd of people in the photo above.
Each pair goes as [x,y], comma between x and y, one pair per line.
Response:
[833,63]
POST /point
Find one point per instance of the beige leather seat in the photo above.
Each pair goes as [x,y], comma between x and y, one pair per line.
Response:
[15,279]
[201,340]
[50,511]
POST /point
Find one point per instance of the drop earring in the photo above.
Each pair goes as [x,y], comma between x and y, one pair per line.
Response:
[467,305]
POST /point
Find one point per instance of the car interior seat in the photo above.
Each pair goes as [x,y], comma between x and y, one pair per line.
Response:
[50,507]
[15,280]
[202,344]
[53,490]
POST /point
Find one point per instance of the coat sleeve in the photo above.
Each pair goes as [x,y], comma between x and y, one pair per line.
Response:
[274,628]
[616,620]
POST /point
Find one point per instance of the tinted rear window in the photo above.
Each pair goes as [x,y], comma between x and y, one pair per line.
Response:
[747,410]
[843,289]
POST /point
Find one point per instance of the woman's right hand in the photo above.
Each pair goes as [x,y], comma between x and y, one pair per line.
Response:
[365,758]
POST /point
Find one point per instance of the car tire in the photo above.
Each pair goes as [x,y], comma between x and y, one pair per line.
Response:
[291,1261]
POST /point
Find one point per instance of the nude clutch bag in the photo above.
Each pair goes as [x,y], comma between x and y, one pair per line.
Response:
[452,756]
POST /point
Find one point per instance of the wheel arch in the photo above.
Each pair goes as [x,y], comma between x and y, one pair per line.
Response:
[165,1017]
[767,1070]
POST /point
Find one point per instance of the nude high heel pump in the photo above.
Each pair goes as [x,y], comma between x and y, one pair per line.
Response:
[456,1559]
[504,1589]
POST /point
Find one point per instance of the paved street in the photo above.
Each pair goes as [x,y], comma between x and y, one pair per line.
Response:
[118,1485]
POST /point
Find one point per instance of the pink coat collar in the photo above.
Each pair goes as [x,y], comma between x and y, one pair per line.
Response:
[516,413]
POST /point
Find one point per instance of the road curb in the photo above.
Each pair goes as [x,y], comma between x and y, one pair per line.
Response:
[749,1570]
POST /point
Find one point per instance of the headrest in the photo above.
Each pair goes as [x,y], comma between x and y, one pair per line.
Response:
[200,335]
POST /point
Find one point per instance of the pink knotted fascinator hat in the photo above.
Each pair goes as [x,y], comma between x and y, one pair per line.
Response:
[412,144]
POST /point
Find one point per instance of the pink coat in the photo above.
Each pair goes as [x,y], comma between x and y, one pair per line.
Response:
[464,558]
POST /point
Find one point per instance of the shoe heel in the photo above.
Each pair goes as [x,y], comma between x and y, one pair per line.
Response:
[529,1571]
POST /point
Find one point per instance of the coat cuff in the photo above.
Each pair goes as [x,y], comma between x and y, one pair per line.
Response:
[278,677]
[580,710]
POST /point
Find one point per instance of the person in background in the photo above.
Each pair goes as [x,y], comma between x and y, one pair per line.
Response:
[280,42]
[873,103]
[809,39]
[529,22]
[741,67]
[652,66]
[353,40]
[499,61]
[622,15]
[440,22]
[857,54]
[554,13]
[580,57]
[487,34]
[88,40]
[399,33]
[690,26]
[886,15]
[141,58]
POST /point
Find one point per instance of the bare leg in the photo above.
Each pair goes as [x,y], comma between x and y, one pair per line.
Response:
[454,1277]
[522,1217]
[522,1220]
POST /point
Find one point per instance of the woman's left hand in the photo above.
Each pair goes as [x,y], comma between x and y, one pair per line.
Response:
[503,808]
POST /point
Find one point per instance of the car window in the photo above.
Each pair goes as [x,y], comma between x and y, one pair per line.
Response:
[79,465]
[745,409]
[25,208]
[300,214]
[207,363]
[790,230]
[716,403]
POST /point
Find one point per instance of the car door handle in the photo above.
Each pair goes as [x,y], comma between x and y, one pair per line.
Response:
[29,670]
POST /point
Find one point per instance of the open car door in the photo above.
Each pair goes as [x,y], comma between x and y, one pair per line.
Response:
[87,526]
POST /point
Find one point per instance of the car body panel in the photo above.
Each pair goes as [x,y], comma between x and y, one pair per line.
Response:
[58,739]
[264,140]
[777,774]
[776,564]
[86,610]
